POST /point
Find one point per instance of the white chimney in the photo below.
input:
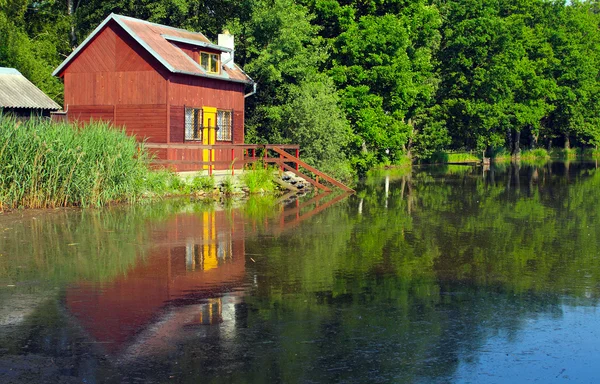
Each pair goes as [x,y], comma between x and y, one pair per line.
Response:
[226,40]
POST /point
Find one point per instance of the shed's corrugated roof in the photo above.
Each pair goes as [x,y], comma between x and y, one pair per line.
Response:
[18,92]
[154,38]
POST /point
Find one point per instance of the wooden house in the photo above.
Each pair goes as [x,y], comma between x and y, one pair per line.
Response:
[162,84]
[21,98]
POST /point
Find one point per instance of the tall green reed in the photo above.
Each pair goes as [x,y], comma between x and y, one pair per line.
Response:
[45,164]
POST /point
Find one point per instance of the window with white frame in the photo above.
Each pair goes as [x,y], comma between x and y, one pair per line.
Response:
[193,123]
[223,125]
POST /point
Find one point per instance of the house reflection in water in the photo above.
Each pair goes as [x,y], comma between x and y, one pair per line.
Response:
[192,275]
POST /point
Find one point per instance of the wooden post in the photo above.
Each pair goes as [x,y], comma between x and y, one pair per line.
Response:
[281,165]
[210,159]
[265,158]
[297,157]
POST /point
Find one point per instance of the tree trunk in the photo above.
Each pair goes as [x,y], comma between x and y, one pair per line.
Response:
[510,141]
[567,143]
[516,152]
[534,140]
[70,12]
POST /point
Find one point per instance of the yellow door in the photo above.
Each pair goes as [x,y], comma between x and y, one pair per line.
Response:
[209,133]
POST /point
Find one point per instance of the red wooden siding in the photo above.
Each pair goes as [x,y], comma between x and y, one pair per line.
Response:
[141,88]
[85,113]
[132,57]
[98,56]
[189,50]
[113,69]
[238,126]
[144,121]
[177,124]
[203,92]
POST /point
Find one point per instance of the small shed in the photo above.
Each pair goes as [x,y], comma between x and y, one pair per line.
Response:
[162,84]
[19,97]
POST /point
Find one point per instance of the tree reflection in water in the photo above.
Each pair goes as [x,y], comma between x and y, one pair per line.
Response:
[408,280]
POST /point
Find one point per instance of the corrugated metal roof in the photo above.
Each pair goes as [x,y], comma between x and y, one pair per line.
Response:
[154,38]
[18,92]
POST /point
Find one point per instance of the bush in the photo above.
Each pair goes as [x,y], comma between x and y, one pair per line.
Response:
[45,164]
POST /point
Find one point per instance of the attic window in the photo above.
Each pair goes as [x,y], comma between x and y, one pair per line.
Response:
[210,62]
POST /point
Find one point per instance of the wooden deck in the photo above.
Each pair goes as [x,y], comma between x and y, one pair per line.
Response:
[197,157]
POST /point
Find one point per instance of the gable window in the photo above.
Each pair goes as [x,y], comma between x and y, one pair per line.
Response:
[223,125]
[210,62]
[193,123]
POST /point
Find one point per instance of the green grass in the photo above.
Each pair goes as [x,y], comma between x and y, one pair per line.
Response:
[259,180]
[160,182]
[227,185]
[463,157]
[203,183]
[593,153]
[535,154]
[45,164]
[564,153]
[443,157]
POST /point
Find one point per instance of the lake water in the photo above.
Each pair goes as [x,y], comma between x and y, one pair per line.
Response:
[445,274]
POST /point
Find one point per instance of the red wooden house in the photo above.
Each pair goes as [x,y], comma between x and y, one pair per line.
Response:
[164,85]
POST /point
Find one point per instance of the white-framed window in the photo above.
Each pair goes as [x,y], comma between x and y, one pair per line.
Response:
[193,123]
[224,125]
[210,62]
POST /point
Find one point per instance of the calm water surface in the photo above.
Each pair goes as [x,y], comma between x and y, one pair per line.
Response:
[450,274]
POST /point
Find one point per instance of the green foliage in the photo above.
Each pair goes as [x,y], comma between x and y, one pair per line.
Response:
[564,153]
[227,185]
[535,154]
[166,182]
[259,180]
[438,157]
[34,58]
[462,157]
[386,72]
[43,164]
[203,183]
[364,83]
[312,118]
[160,181]
[591,153]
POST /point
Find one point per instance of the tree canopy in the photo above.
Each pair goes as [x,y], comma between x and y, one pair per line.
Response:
[360,83]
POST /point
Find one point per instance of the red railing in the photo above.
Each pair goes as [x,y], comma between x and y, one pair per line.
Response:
[236,156]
